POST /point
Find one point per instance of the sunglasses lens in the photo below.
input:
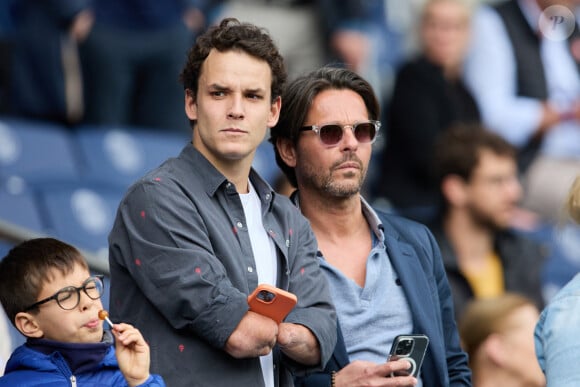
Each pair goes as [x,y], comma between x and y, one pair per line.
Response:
[330,134]
[365,132]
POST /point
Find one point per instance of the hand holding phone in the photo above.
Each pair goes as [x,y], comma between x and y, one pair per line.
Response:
[411,348]
[271,302]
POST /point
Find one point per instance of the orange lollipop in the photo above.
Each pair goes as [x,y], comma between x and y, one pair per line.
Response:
[104,315]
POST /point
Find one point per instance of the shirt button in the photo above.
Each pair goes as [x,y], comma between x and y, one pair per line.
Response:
[240,225]
[250,269]
[267,196]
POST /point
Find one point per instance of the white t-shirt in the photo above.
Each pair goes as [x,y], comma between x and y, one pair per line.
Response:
[265,258]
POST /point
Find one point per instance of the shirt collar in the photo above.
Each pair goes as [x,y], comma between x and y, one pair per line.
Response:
[80,357]
[369,213]
[215,179]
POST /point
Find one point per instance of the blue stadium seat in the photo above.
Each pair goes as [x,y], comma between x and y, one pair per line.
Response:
[34,152]
[80,214]
[21,209]
[120,156]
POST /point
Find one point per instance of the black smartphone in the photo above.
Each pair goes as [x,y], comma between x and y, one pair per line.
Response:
[411,348]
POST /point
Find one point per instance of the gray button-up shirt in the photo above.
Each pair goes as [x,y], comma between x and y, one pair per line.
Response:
[182,267]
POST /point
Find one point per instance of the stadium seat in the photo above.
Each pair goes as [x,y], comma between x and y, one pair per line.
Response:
[21,209]
[120,156]
[80,214]
[33,152]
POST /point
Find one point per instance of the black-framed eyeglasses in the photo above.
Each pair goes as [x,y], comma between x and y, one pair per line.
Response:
[365,132]
[68,298]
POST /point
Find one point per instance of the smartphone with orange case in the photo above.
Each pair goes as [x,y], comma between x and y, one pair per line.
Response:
[271,302]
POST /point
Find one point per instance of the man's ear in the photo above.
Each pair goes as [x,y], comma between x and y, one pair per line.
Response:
[27,324]
[287,151]
[494,349]
[453,188]
[190,105]
[274,112]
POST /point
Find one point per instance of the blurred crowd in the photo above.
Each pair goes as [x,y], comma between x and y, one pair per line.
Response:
[110,62]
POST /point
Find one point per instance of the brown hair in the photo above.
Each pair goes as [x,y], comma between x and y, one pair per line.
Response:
[484,317]
[28,266]
[458,150]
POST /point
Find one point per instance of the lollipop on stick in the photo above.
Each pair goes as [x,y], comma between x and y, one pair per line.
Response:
[104,315]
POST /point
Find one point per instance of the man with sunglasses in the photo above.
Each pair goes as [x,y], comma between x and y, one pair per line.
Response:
[385,272]
[52,299]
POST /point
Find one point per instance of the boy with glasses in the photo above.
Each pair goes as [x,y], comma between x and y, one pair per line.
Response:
[52,299]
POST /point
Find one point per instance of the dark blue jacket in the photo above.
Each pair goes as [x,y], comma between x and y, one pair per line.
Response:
[27,367]
[416,259]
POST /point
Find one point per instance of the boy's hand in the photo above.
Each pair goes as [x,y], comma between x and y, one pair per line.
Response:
[132,354]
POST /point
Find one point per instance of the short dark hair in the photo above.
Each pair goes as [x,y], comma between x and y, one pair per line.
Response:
[231,34]
[297,100]
[458,150]
[28,266]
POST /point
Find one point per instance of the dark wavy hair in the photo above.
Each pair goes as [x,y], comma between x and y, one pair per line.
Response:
[231,34]
[297,100]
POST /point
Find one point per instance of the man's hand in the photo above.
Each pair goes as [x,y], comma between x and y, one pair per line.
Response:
[364,373]
[132,354]
[254,336]
[298,343]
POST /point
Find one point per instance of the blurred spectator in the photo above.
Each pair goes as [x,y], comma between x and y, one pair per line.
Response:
[132,59]
[556,335]
[483,255]
[294,25]
[497,334]
[526,81]
[370,37]
[46,80]
[428,97]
